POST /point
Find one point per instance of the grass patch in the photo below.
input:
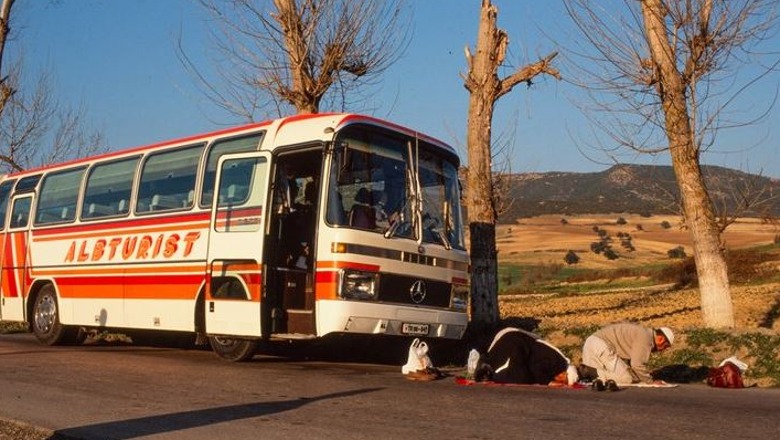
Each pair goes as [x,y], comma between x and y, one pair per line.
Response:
[750,266]
[707,347]
[7,327]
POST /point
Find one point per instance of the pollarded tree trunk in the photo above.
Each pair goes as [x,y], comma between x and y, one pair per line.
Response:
[717,308]
[485,88]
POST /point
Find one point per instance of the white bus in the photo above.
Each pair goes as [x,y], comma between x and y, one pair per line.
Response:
[293,228]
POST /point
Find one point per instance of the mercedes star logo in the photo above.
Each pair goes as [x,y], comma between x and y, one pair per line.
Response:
[417,291]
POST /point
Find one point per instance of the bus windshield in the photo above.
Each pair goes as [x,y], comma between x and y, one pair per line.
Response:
[395,185]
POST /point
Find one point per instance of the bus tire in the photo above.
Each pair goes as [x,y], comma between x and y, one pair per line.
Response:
[46,318]
[233,350]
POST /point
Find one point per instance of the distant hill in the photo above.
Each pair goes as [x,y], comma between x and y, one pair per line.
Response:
[638,189]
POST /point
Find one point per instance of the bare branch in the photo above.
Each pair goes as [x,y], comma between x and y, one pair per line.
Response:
[300,53]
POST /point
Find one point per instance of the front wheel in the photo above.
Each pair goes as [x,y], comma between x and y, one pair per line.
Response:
[46,318]
[233,350]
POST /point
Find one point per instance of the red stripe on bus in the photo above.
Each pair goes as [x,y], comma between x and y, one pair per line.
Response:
[194,280]
[125,223]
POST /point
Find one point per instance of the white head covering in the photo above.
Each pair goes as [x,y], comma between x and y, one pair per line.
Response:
[668,333]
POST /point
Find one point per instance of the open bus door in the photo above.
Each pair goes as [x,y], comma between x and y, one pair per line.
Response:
[235,256]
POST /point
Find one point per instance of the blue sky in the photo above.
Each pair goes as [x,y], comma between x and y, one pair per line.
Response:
[118,59]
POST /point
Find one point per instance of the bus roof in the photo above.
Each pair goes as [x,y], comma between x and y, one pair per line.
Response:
[284,131]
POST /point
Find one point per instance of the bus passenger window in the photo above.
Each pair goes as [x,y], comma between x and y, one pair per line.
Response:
[59,196]
[20,214]
[167,179]
[108,189]
[239,145]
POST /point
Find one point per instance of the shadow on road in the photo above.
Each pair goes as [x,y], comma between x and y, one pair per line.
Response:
[143,426]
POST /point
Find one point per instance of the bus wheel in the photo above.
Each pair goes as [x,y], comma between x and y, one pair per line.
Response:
[46,318]
[233,350]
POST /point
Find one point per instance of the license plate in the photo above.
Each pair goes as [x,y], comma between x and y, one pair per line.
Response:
[414,329]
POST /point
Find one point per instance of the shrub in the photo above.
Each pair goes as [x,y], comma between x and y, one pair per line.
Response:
[677,253]
[596,229]
[639,227]
[665,224]
[682,273]
[611,254]
[564,222]
[571,257]
[621,221]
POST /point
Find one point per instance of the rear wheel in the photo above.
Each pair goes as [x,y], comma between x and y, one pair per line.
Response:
[233,350]
[46,318]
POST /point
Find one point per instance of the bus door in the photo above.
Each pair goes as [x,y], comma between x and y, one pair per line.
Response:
[234,288]
[14,261]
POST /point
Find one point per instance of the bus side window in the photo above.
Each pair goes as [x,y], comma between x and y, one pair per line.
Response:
[58,197]
[167,179]
[5,194]
[108,189]
[20,214]
[221,147]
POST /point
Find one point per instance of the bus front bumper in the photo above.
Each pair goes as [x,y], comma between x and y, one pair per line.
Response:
[339,316]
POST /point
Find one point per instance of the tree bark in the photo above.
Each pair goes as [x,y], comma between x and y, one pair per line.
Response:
[301,95]
[717,308]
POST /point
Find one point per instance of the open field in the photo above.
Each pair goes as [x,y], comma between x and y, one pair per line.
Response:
[545,239]
[567,312]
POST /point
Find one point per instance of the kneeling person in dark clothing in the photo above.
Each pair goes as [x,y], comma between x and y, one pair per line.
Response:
[522,357]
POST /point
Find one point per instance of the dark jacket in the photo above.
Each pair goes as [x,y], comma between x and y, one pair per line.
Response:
[517,356]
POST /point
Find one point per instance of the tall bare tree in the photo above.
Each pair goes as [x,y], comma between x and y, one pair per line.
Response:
[297,53]
[671,68]
[5,28]
[485,88]
[36,129]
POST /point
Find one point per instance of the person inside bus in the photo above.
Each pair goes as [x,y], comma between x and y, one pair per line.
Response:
[521,357]
[362,215]
[303,220]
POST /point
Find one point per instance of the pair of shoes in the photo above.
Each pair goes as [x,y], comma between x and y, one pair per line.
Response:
[611,385]
[598,385]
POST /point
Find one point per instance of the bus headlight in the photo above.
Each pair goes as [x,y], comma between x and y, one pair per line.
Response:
[359,285]
[459,298]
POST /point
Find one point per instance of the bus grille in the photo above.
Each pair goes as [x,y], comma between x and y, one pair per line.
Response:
[406,290]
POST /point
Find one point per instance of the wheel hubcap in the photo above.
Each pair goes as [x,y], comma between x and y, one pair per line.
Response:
[45,313]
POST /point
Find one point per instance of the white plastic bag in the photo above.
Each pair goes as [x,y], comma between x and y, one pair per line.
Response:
[471,364]
[418,359]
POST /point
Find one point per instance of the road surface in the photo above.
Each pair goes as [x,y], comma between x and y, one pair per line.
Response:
[130,392]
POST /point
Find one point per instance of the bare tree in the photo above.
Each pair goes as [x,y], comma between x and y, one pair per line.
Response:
[662,75]
[5,28]
[297,53]
[485,88]
[35,129]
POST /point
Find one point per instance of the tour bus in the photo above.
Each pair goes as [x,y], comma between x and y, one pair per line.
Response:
[293,228]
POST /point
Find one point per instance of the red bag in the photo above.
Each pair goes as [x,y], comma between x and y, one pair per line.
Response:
[726,376]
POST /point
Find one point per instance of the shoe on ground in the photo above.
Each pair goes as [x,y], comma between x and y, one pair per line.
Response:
[423,375]
[598,385]
[611,385]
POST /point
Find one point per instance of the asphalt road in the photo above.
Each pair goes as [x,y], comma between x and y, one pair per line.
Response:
[129,392]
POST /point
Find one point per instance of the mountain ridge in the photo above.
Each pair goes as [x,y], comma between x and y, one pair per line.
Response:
[639,189]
